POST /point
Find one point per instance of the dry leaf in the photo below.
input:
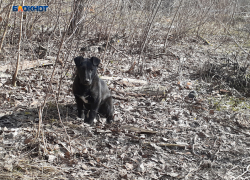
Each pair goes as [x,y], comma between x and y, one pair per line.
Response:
[27,141]
[129,166]
[67,155]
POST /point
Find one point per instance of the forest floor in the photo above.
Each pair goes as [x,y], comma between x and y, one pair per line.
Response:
[161,130]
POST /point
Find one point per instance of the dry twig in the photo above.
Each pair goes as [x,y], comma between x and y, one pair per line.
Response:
[6,25]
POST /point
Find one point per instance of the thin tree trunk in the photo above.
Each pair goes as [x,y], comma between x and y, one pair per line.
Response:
[19,47]
[6,26]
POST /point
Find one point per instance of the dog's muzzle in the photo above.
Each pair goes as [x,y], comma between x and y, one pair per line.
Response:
[86,82]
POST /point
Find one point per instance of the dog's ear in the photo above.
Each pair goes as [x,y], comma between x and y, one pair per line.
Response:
[95,61]
[78,60]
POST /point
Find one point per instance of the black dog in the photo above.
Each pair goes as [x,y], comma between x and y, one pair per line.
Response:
[91,93]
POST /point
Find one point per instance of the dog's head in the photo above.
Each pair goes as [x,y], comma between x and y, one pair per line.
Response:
[86,68]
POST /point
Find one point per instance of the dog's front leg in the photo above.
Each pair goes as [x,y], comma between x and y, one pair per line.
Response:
[79,103]
[92,113]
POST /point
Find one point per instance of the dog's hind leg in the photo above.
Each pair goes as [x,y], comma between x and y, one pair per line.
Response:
[108,110]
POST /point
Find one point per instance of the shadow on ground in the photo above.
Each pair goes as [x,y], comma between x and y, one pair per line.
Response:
[29,118]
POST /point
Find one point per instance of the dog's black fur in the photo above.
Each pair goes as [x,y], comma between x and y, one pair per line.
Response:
[91,93]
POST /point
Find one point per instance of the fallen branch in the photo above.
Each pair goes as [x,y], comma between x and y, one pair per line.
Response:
[138,130]
[119,97]
[124,79]
[28,65]
[129,94]
[183,146]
